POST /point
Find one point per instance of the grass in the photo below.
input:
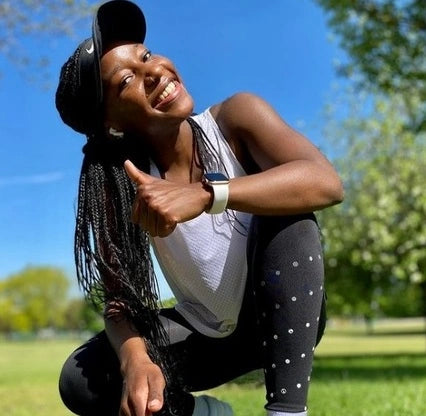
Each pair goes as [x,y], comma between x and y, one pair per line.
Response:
[383,374]
[29,371]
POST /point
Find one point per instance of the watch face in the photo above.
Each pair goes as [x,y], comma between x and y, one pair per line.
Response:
[216,177]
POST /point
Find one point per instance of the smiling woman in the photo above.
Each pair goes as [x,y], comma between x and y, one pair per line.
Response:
[225,198]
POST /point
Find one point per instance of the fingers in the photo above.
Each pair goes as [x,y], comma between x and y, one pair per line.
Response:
[155,394]
[146,396]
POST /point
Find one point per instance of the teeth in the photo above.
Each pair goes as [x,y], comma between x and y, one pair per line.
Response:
[170,87]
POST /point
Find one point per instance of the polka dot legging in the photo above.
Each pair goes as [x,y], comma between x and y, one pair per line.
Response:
[281,320]
[287,276]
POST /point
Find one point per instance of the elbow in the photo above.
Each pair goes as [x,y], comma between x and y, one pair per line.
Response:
[335,191]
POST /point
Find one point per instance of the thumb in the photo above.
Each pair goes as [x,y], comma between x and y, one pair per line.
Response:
[136,175]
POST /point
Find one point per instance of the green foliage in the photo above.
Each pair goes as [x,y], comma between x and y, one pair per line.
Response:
[23,20]
[33,299]
[80,315]
[385,41]
[375,241]
[168,303]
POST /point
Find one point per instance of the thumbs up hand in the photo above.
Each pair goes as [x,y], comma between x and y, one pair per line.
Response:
[160,204]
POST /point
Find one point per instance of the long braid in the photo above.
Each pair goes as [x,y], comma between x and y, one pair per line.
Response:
[112,254]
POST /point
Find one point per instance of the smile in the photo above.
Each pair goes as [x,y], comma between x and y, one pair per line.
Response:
[168,94]
[171,86]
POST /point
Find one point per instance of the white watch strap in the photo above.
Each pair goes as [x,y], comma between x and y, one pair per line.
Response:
[220,198]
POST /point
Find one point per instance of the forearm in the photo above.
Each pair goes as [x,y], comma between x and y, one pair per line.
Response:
[125,340]
[296,187]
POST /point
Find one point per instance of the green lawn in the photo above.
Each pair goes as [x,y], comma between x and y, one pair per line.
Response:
[354,374]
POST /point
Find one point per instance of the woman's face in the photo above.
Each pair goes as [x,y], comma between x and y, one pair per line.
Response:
[143,93]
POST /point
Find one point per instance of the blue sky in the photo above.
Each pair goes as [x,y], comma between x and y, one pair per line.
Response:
[279,49]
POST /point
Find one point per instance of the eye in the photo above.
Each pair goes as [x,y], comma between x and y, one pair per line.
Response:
[125,81]
[146,55]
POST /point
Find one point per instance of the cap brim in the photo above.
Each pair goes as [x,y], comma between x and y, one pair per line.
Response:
[115,21]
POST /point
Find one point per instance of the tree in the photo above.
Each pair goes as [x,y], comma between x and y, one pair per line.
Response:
[376,240]
[21,20]
[385,42]
[33,299]
[80,315]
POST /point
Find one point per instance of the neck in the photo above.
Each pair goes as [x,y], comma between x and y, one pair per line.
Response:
[174,154]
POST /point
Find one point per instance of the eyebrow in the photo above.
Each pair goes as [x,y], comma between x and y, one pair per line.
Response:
[117,67]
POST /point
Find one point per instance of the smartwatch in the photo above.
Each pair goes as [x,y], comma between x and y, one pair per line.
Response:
[220,185]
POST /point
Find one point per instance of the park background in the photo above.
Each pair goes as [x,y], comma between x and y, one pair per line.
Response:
[350,75]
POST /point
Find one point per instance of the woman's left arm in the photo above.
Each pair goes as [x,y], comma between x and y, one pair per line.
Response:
[294,177]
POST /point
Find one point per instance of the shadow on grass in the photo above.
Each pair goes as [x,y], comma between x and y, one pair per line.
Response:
[391,367]
[371,367]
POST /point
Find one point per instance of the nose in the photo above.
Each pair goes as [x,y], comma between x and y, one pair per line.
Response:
[155,69]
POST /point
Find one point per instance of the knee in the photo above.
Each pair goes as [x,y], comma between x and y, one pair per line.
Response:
[73,388]
[90,380]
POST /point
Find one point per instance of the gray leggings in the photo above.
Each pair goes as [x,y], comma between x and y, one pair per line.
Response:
[281,321]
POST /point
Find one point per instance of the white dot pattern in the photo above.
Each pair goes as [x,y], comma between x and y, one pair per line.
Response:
[300,295]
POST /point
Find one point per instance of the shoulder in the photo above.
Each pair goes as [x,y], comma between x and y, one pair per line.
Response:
[245,116]
[238,110]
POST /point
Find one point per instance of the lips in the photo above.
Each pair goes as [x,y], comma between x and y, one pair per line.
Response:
[167,92]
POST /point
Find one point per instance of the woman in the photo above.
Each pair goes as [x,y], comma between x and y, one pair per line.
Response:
[201,189]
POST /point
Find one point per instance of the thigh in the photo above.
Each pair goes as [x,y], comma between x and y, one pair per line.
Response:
[203,362]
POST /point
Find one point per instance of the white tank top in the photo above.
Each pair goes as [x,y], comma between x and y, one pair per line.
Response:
[204,259]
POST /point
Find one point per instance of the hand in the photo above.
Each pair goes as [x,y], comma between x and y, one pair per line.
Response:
[143,386]
[160,204]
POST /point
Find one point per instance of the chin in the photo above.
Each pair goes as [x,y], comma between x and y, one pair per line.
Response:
[186,106]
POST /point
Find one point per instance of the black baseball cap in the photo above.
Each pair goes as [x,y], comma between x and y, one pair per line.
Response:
[79,94]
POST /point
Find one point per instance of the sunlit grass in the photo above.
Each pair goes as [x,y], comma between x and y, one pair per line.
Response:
[354,374]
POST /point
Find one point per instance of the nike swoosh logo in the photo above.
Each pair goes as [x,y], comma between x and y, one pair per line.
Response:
[91,49]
